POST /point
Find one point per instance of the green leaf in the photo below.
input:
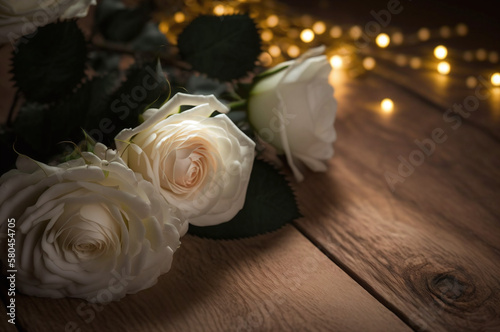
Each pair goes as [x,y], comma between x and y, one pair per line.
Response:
[223,47]
[269,204]
[145,87]
[49,65]
[119,23]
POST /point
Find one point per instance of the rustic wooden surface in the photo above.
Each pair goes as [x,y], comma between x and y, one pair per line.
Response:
[424,256]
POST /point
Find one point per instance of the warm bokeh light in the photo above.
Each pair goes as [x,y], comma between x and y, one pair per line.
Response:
[274,50]
[319,27]
[369,63]
[265,59]
[179,17]
[307,35]
[462,29]
[163,27]
[293,51]
[387,105]
[415,63]
[355,32]
[401,60]
[443,68]
[397,38]
[293,33]
[272,21]
[266,35]
[471,82]
[219,10]
[336,32]
[382,40]
[440,52]
[495,79]
[493,57]
[445,31]
[424,34]
[481,54]
[336,62]
[468,56]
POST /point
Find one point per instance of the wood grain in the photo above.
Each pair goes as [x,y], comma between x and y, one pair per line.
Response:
[429,250]
[274,282]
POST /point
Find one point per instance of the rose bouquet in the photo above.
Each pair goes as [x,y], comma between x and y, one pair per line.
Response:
[111,167]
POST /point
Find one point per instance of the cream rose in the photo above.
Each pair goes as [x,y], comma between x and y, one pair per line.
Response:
[22,17]
[292,108]
[200,164]
[90,228]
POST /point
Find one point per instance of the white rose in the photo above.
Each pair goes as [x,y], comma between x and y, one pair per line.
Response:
[293,109]
[22,17]
[200,164]
[90,228]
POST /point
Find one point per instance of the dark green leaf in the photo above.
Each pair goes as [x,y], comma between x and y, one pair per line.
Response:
[269,204]
[49,65]
[119,23]
[145,87]
[223,47]
[150,40]
[9,156]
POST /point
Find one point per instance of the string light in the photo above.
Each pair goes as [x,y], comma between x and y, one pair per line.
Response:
[440,52]
[272,21]
[266,35]
[471,82]
[462,29]
[481,54]
[424,34]
[293,51]
[336,62]
[382,40]
[495,79]
[369,63]
[265,59]
[355,32]
[493,57]
[401,60]
[307,35]
[274,50]
[336,32]
[397,38]
[443,68]
[387,105]
[415,63]
[163,27]
[179,17]
[319,27]
[445,31]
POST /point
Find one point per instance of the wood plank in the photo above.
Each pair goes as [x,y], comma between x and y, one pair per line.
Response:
[430,249]
[274,282]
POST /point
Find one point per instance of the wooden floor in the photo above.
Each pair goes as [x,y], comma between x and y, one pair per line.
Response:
[424,256]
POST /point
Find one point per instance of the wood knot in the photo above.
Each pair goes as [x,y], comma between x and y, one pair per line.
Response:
[451,287]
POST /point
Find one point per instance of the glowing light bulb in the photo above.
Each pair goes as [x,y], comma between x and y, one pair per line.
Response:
[293,51]
[369,63]
[462,29]
[319,27]
[274,50]
[336,32]
[336,61]
[415,63]
[443,68]
[266,35]
[219,10]
[387,105]
[424,34]
[272,21]
[179,17]
[355,32]
[163,27]
[382,40]
[495,79]
[397,38]
[307,35]
[440,52]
